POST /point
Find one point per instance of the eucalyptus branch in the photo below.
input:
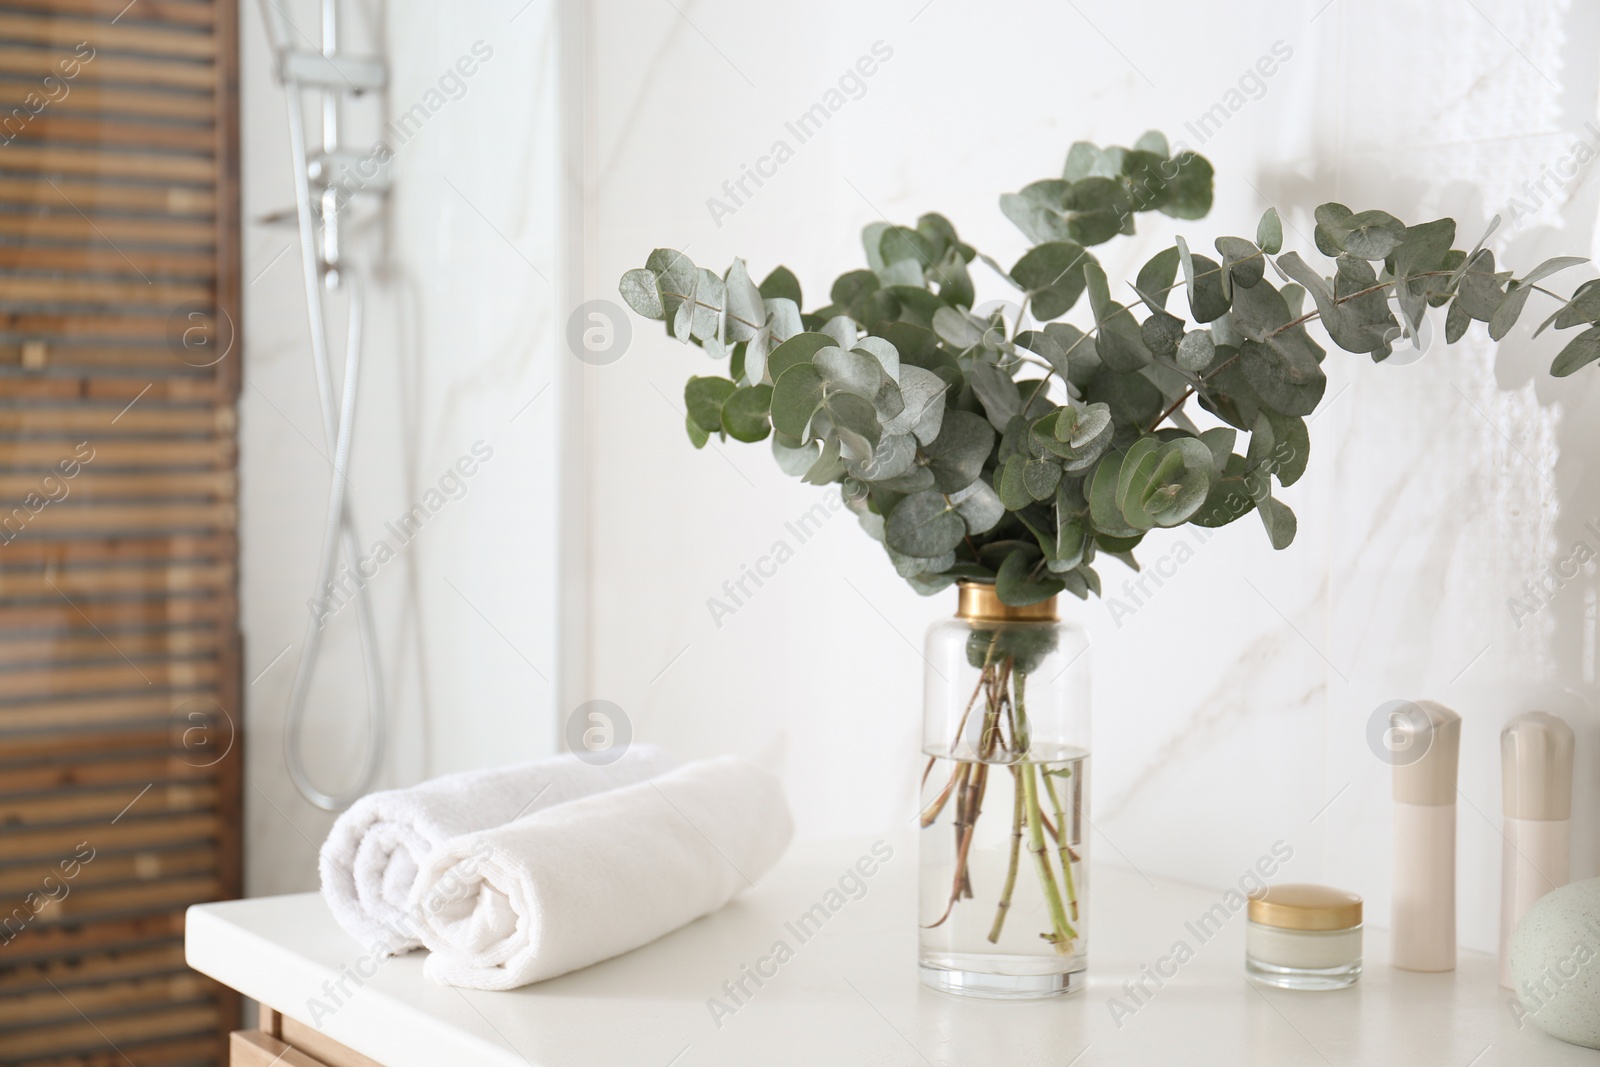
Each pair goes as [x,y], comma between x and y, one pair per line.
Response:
[1038,480]
[1187,393]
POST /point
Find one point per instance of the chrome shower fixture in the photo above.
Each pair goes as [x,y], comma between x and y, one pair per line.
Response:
[322,191]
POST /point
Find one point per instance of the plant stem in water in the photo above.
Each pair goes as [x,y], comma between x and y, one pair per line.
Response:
[983,681]
[1016,857]
[1061,847]
[1062,934]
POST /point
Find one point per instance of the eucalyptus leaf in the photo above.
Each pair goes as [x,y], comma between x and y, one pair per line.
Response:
[795,398]
[1279,521]
[1156,277]
[957,455]
[706,322]
[1579,352]
[1041,476]
[1161,334]
[1072,539]
[1022,580]
[1269,232]
[796,350]
[1121,344]
[829,466]
[882,351]
[1283,376]
[1189,193]
[1291,448]
[1506,314]
[855,421]
[893,457]
[745,413]
[794,461]
[957,329]
[1583,307]
[1093,422]
[1365,235]
[915,480]
[1052,274]
[1551,266]
[676,280]
[1079,356]
[899,243]
[904,272]
[1424,248]
[1220,442]
[1243,263]
[781,284]
[1203,279]
[1085,160]
[1011,483]
[697,436]
[850,372]
[996,391]
[1456,322]
[1038,211]
[1104,511]
[746,313]
[1196,351]
[704,398]
[922,409]
[949,273]
[1480,289]
[925,525]
[979,506]
[639,289]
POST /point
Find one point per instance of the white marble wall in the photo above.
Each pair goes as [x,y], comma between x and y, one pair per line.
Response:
[1231,707]
[463,323]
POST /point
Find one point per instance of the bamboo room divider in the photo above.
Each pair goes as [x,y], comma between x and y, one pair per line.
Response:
[119,648]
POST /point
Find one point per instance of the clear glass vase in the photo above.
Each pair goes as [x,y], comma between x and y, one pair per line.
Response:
[1003,890]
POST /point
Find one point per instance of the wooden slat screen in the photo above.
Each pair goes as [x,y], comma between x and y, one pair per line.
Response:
[119,647]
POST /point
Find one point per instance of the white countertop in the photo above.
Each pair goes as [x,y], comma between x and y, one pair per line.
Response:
[850,993]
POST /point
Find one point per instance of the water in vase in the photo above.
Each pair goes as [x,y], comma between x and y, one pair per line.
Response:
[1003,891]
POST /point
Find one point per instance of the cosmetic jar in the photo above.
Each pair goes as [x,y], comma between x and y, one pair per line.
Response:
[1303,937]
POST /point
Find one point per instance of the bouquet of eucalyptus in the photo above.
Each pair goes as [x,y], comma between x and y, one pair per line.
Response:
[1001,443]
[1016,447]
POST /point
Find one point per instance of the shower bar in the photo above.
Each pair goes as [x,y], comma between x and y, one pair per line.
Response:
[317,210]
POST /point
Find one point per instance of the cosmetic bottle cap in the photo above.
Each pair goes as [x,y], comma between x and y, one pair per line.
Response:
[1431,778]
[1536,767]
[1302,906]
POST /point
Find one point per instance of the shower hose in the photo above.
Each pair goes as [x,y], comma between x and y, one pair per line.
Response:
[338,424]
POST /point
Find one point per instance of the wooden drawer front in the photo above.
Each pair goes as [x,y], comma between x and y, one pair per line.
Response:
[252,1048]
[282,1040]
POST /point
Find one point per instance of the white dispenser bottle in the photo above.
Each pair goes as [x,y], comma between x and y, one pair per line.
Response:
[1536,777]
[1423,915]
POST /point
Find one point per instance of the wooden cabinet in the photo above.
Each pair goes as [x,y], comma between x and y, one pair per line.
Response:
[282,1040]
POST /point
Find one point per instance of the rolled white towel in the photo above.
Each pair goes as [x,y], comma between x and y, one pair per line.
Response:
[373,853]
[580,883]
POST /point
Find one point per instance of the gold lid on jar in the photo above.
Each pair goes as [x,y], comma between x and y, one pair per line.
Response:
[1301,906]
[979,601]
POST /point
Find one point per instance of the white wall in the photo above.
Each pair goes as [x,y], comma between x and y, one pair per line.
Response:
[462,327]
[1226,716]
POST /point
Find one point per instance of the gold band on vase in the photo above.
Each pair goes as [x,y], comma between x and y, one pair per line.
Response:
[979,602]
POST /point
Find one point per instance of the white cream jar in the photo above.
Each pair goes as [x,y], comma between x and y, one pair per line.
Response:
[1304,937]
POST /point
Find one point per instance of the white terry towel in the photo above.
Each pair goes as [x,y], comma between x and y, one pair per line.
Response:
[372,855]
[580,883]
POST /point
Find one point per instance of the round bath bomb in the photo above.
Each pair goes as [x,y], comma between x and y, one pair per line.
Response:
[1555,963]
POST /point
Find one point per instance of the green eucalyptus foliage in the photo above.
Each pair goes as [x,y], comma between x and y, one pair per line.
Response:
[959,455]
